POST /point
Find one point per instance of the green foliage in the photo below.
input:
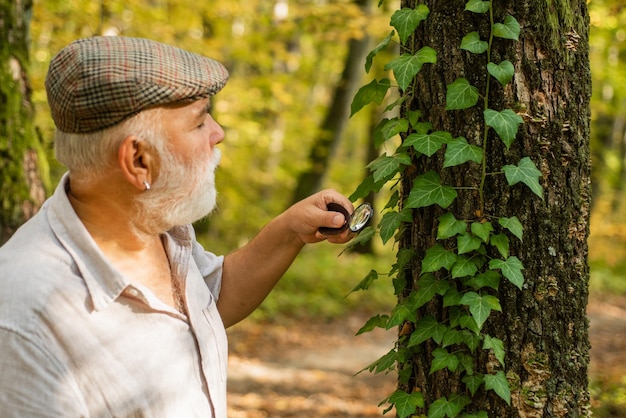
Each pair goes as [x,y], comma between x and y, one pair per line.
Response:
[464,268]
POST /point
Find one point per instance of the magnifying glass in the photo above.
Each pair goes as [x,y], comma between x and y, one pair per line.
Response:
[355,222]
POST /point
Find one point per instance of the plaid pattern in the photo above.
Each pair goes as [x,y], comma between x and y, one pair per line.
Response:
[95,83]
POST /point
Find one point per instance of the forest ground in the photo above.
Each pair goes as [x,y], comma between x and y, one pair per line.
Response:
[307,370]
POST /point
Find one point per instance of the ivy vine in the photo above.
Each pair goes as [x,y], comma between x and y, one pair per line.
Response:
[466,276]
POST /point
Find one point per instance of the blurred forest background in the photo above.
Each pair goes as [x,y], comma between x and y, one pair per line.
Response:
[295,66]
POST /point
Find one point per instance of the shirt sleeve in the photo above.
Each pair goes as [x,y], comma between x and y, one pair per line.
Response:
[210,267]
[33,383]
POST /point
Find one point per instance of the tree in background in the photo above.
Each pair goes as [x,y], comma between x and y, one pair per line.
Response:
[490,208]
[21,155]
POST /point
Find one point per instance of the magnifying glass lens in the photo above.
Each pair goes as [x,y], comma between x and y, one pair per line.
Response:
[356,222]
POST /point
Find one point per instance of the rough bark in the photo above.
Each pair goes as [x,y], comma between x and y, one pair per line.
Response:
[544,326]
[20,150]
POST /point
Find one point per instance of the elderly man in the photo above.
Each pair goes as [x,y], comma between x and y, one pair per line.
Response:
[109,307]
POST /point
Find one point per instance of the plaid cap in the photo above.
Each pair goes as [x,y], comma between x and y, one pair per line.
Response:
[95,83]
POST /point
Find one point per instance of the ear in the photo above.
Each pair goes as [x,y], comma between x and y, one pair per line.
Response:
[137,161]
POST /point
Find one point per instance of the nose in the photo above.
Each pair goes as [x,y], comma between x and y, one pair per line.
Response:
[217,133]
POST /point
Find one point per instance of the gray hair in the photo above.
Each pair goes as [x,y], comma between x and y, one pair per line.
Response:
[90,155]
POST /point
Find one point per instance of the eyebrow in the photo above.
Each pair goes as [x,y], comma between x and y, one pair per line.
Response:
[204,110]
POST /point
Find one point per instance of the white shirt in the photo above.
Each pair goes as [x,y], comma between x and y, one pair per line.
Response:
[78,340]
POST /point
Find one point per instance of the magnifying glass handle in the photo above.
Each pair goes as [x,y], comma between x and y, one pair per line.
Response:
[335,207]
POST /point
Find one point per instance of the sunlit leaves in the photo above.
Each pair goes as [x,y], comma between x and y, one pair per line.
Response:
[374,92]
[406,66]
[514,225]
[526,172]
[498,384]
[391,222]
[406,20]
[381,46]
[459,151]
[472,43]
[495,344]
[510,29]
[428,144]
[385,166]
[427,190]
[477,6]
[461,95]
[502,72]
[505,123]
[482,230]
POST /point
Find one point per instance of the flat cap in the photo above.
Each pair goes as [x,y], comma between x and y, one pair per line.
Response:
[97,82]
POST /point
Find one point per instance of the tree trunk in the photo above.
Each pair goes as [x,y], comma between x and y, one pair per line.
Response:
[20,150]
[331,130]
[543,325]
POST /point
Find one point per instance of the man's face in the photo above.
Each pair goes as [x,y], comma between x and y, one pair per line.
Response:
[184,190]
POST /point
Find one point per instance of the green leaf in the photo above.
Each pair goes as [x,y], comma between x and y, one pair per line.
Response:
[480,306]
[449,226]
[472,43]
[463,267]
[511,269]
[427,190]
[374,92]
[490,278]
[436,258]
[425,329]
[385,167]
[443,360]
[477,6]
[502,72]
[498,384]
[443,407]
[467,242]
[452,297]
[473,382]
[367,186]
[495,344]
[365,284]
[385,363]
[390,223]
[458,151]
[428,144]
[514,225]
[510,29]
[505,123]
[378,321]
[427,287]
[482,230]
[382,45]
[526,172]
[406,66]
[413,116]
[461,95]
[452,337]
[406,403]
[479,414]
[406,20]
[404,311]
[501,242]
[393,127]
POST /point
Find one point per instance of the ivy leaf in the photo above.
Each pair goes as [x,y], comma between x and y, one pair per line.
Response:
[473,382]
[452,297]
[427,287]
[390,223]
[375,92]
[378,321]
[477,6]
[406,403]
[385,167]
[461,95]
[480,306]
[443,360]
[467,242]
[425,329]
[499,384]
[385,363]
[382,45]
[458,151]
[365,284]
[427,190]
[511,269]
[393,127]
[502,72]
[428,144]
[514,225]
[406,66]
[436,258]
[510,29]
[449,226]
[505,123]
[489,278]
[413,116]
[443,407]
[495,344]
[406,20]
[463,267]
[404,311]
[501,242]
[526,172]
[367,186]
[479,414]
[472,43]
[482,230]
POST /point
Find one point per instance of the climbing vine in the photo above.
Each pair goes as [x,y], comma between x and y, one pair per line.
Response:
[470,256]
